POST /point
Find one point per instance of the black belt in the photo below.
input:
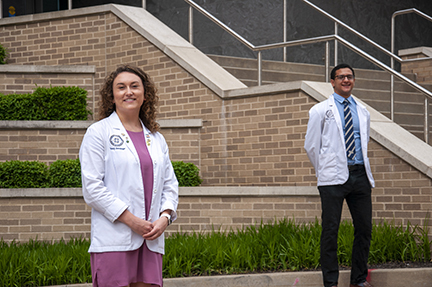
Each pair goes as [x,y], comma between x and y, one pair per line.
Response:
[355,167]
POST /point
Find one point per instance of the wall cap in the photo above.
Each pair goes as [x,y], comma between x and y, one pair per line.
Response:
[42,69]
[199,191]
[164,124]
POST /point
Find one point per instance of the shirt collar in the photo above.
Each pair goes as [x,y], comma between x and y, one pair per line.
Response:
[341,99]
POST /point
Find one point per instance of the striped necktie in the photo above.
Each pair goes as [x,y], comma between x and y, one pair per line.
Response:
[349,132]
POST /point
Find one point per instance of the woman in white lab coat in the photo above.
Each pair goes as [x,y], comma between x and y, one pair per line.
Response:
[129,182]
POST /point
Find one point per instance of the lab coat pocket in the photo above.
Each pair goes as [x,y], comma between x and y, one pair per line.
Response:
[327,168]
[108,233]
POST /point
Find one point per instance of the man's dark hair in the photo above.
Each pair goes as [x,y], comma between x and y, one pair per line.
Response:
[338,67]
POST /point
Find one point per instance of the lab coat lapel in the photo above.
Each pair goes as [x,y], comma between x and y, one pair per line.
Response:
[362,116]
[337,116]
[119,129]
[149,141]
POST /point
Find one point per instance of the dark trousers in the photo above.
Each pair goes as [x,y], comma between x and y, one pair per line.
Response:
[357,193]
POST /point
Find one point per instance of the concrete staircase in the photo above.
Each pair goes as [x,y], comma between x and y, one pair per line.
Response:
[372,86]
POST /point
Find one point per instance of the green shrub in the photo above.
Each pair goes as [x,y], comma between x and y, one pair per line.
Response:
[187,173]
[3,55]
[23,174]
[55,103]
[65,173]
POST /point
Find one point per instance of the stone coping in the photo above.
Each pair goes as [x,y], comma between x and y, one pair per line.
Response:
[41,69]
[427,51]
[378,277]
[164,123]
[198,191]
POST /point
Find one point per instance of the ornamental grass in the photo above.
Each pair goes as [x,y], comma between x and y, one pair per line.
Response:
[280,246]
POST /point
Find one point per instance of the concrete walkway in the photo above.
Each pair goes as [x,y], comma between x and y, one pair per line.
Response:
[401,277]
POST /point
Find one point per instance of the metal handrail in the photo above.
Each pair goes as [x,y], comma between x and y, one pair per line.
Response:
[389,53]
[336,38]
[397,13]
[355,32]
[401,12]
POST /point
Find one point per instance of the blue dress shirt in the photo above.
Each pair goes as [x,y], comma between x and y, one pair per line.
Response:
[353,106]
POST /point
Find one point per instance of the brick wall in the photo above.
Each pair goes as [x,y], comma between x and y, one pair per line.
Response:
[23,83]
[40,144]
[249,141]
[62,213]
[421,68]
[43,218]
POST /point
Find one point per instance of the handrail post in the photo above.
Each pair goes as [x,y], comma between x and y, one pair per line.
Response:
[336,46]
[191,24]
[144,4]
[284,28]
[327,60]
[1,9]
[391,75]
[69,4]
[392,96]
[392,40]
[426,121]
[259,59]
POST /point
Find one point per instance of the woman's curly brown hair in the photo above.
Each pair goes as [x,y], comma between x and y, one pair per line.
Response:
[148,109]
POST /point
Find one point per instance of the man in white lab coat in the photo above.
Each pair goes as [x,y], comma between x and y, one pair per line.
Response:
[336,144]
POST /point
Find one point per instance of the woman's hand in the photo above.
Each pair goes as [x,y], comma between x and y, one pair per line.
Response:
[138,225]
[159,227]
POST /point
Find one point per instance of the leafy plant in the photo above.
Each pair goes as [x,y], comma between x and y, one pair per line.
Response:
[55,103]
[187,173]
[3,55]
[23,174]
[65,173]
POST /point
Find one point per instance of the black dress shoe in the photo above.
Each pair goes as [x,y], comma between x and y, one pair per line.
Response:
[364,284]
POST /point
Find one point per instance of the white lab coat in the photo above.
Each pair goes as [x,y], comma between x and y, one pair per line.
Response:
[325,143]
[112,183]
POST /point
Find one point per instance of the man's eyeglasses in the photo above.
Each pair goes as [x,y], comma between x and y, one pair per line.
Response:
[342,77]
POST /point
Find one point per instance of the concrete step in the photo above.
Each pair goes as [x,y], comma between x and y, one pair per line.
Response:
[235,63]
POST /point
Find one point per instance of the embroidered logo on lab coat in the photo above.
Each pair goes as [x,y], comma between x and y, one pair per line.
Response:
[329,115]
[116,140]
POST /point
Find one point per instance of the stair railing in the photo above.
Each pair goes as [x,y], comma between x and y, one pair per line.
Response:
[336,38]
[389,53]
[397,13]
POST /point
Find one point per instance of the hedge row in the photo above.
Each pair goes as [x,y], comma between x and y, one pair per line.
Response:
[3,55]
[67,173]
[55,103]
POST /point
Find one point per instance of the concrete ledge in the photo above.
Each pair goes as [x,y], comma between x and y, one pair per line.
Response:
[204,191]
[418,277]
[43,125]
[238,191]
[427,51]
[180,123]
[40,69]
